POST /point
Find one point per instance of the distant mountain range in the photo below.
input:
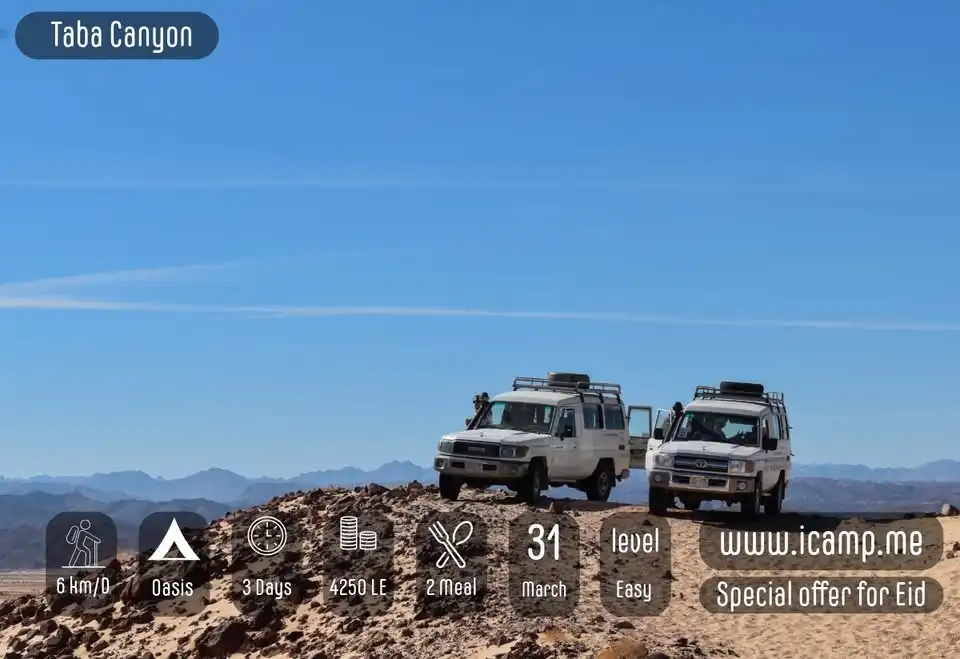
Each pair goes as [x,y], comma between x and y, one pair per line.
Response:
[213,484]
[227,487]
[941,471]
[26,505]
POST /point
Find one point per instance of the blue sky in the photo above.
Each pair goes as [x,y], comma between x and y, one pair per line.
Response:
[718,174]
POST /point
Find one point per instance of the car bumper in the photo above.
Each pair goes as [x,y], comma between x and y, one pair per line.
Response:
[490,469]
[719,483]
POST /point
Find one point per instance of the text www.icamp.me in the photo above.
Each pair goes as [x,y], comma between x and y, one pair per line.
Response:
[863,544]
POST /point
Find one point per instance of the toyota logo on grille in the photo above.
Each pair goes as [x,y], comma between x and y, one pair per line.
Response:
[701,464]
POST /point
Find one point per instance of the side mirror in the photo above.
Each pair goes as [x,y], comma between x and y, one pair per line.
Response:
[658,433]
[769,444]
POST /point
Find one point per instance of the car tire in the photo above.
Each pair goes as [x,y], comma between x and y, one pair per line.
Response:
[750,507]
[600,484]
[533,483]
[450,487]
[774,503]
[659,500]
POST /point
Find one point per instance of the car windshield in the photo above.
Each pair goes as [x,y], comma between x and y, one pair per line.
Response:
[510,415]
[717,427]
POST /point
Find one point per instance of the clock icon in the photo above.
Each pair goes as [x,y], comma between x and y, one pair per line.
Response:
[267,536]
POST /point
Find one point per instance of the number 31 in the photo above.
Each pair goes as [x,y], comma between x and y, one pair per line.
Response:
[538,533]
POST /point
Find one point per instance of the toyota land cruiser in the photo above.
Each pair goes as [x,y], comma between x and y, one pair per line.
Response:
[730,444]
[559,430]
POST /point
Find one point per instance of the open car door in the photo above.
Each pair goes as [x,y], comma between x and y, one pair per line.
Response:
[640,424]
[660,430]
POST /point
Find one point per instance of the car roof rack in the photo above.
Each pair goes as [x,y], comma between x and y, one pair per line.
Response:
[599,389]
[772,399]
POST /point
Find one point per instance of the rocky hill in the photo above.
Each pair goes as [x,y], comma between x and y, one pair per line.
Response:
[223,620]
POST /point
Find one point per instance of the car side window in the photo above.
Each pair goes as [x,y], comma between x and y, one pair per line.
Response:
[613,418]
[774,422]
[567,419]
[592,417]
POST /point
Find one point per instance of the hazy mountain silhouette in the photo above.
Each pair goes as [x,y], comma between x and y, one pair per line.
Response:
[938,470]
[212,484]
[227,487]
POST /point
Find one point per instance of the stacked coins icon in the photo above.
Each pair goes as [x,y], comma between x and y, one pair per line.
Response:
[368,540]
[348,533]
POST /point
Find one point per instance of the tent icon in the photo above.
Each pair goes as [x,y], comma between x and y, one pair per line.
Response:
[174,538]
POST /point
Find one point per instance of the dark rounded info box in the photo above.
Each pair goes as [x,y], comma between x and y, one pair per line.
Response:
[82,573]
[267,566]
[174,566]
[103,35]
[635,562]
[813,542]
[451,583]
[544,567]
[359,575]
[822,594]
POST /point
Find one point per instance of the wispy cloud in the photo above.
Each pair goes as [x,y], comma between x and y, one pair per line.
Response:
[323,183]
[826,185]
[61,294]
[57,285]
[307,311]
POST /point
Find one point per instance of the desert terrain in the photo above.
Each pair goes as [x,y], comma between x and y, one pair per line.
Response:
[229,624]
[21,582]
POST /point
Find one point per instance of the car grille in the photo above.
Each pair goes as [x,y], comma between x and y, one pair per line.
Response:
[701,464]
[476,449]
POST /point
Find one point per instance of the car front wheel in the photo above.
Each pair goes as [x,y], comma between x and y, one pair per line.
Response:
[450,487]
[659,500]
[532,485]
[750,506]
[774,503]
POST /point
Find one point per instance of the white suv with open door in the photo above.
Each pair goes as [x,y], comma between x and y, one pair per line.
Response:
[559,430]
[730,444]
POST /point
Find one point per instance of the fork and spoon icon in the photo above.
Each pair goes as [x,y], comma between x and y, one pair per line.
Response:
[450,542]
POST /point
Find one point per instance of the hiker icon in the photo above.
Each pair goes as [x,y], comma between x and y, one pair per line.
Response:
[86,546]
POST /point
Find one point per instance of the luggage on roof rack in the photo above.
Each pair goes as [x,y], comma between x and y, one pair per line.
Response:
[742,387]
[747,392]
[568,379]
[574,383]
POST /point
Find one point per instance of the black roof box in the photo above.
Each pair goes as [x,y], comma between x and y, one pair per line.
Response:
[568,379]
[743,388]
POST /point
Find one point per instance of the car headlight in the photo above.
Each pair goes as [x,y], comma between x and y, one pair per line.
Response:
[513,451]
[664,460]
[446,446]
[740,466]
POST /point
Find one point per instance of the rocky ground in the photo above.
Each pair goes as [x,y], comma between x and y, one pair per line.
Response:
[129,622]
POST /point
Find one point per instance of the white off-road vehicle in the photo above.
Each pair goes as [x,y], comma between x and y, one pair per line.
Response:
[559,430]
[730,444]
